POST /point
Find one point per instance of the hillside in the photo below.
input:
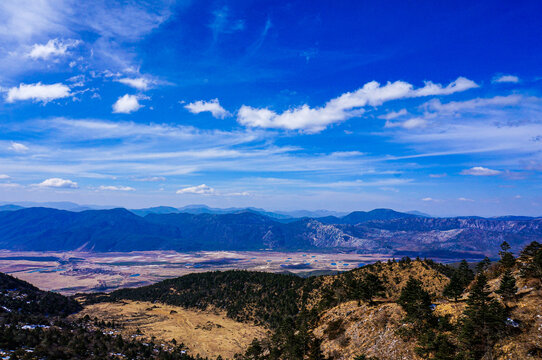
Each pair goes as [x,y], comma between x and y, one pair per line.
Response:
[388,310]
[20,297]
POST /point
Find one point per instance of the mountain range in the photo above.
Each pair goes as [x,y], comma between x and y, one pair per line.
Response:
[381,231]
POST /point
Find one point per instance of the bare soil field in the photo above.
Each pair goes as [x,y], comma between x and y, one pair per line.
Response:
[74,272]
[210,332]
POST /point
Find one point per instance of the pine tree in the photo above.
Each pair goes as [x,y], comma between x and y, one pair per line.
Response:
[466,275]
[415,301]
[507,288]
[483,265]
[455,287]
[531,260]
[483,320]
[507,258]
[370,287]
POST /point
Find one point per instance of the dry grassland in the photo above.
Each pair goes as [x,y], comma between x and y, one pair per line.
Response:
[209,333]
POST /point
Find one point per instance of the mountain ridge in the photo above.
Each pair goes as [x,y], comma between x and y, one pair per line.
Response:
[382,231]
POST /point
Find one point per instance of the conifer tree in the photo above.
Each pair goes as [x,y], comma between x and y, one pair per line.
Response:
[507,288]
[466,275]
[370,287]
[483,321]
[483,265]
[415,301]
[507,258]
[455,287]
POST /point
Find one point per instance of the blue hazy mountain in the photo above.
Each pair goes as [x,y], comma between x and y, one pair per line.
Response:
[377,231]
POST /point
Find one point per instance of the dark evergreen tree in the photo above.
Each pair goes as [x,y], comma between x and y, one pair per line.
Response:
[415,301]
[483,321]
[455,287]
[371,286]
[507,258]
[507,288]
[531,260]
[465,273]
[483,265]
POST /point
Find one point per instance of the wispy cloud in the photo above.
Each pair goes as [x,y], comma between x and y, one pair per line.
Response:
[115,188]
[18,147]
[223,23]
[199,189]
[505,79]
[52,48]
[140,83]
[480,171]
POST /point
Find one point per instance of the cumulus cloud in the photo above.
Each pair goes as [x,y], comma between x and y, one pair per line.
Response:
[480,171]
[213,106]
[505,79]
[58,183]
[4,177]
[436,176]
[199,189]
[139,83]
[346,106]
[465,199]
[38,92]
[126,104]
[428,199]
[53,47]
[116,188]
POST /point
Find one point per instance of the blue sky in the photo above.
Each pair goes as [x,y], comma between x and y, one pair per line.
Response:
[282,105]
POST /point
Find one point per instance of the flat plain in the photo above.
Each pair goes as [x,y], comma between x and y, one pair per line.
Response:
[76,272]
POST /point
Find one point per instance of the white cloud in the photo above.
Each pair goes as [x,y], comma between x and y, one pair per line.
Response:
[139,83]
[199,189]
[472,105]
[428,199]
[465,199]
[58,183]
[126,104]
[407,124]
[116,188]
[213,106]
[506,79]
[152,179]
[10,185]
[53,47]
[38,92]
[480,171]
[346,106]
[18,147]
[436,176]
[4,177]
[393,114]
[243,193]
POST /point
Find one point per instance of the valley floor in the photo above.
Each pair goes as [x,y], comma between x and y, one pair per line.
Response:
[74,272]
